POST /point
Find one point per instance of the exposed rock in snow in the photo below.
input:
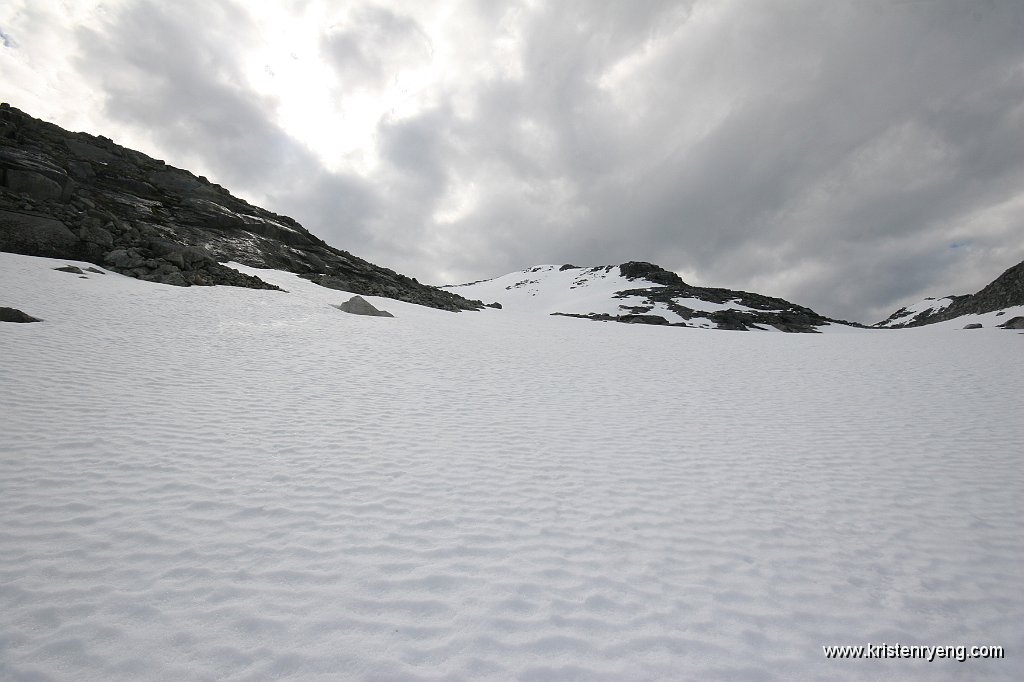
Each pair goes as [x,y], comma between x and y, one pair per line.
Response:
[357,305]
[15,315]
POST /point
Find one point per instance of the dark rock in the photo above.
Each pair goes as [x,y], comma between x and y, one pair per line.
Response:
[82,149]
[15,315]
[1013,323]
[81,170]
[174,279]
[31,172]
[175,182]
[177,258]
[643,319]
[122,259]
[74,269]
[973,325]
[96,270]
[97,235]
[567,267]
[357,305]
[495,305]
[650,272]
[37,235]
[33,184]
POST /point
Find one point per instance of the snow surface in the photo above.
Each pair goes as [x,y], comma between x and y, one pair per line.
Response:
[547,289]
[233,484]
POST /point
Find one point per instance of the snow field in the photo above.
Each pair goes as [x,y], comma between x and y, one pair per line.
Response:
[218,483]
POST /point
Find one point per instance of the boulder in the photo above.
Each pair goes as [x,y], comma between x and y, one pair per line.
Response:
[973,325]
[1013,323]
[123,259]
[36,235]
[96,235]
[35,174]
[36,185]
[81,170]
[15,315]
[73,269]
[357,305]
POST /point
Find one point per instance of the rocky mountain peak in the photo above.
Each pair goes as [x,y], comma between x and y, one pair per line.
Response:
[84,197]
[637,292]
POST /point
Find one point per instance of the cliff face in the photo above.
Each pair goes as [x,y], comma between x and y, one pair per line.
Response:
[77,196]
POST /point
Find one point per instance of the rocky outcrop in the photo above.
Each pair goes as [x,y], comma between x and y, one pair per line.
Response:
[751,311]
[357,305]
[81,197]
[1005,291]
[651,273]
[15,315]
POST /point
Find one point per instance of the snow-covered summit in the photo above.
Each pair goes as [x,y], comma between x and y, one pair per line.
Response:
[638,292]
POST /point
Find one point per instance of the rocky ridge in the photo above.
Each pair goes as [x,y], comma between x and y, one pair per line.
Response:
[83,197]
[747,310]
[1005,291]
[642,293]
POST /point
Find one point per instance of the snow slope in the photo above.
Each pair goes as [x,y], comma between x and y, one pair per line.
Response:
[547,289]
[236,484]
[927,306]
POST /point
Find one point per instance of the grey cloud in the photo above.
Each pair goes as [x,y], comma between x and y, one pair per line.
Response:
[368,47]
[161,74]
[338,208]
[172,71]
[913,112]
[829,153]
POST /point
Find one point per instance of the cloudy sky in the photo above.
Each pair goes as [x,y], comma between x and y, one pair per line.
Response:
[849,155]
